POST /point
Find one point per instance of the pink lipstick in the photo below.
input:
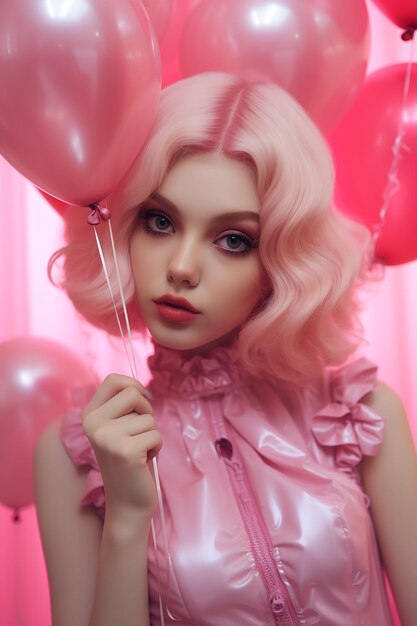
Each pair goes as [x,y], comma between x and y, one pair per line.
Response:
[174,309]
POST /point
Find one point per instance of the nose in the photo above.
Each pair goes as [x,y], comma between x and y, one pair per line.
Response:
[184,265]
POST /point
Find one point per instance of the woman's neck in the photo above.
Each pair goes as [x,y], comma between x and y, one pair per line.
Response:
[224,342]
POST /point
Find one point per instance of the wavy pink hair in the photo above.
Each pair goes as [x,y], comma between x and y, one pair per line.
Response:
[313,255]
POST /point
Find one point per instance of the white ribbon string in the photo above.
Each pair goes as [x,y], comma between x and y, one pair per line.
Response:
[123,299]
[107,277]
[128,345]
[398,145]
[165,540]
[158,575]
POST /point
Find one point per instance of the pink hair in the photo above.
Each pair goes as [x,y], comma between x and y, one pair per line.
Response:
[313,255]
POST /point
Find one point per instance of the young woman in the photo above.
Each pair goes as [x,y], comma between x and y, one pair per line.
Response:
[275,438]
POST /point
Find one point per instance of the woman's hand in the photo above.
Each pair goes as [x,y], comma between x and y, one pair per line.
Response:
[119,424]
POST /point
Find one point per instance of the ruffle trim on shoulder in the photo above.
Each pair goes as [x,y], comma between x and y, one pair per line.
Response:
[82,454]
[350,427]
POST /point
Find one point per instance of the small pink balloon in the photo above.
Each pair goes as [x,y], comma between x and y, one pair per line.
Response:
[80,83]
[39,381]
[316,49]
[402,12]
[363,149]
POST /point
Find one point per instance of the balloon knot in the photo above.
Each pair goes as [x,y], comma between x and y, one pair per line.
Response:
[16,518]
[99,213]
[409,33]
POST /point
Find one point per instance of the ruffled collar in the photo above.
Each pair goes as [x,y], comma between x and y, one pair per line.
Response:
[200,375]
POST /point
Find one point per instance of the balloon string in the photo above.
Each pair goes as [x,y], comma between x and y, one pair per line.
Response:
[123,299]
[393,183]
[158,574]
[165,539]
[107,277]
[132,364]
[17,521]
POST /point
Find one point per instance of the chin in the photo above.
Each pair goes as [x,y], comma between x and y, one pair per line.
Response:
[187,344]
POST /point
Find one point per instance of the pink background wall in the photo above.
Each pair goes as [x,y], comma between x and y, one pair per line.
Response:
[30,231]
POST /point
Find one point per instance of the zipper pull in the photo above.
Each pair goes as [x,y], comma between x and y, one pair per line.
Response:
[225,451]
[224,448]
[277,603]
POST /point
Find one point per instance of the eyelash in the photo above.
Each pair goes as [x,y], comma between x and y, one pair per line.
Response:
[146,216]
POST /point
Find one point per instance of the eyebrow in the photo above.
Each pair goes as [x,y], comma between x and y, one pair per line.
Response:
[223,217]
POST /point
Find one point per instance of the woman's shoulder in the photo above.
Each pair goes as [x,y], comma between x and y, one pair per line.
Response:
[339,419]
[54,470]
[386,403]
[333,388]
[64,446]
[384,400]
[50,449]
[357,385]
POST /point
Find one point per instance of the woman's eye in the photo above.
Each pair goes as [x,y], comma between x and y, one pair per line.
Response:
[157,223]
[161,222]
[235,244]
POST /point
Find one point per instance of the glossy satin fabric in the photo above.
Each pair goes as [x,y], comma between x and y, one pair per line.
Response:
[300,453]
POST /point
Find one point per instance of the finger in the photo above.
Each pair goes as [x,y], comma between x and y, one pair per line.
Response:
[125,404]
[126,400]
[111,386]
[129,425]
[138,447]
[116,436]
[152,442]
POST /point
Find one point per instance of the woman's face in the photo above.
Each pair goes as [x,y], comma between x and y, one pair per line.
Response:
[194,253]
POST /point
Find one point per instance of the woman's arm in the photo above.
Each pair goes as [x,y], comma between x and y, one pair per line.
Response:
[98,574]
[390,479]
[71,535]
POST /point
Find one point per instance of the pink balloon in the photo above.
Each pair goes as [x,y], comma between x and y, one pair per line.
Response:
[59,206]
[39,379]
[170,45]
[80,83]
[316,49]
[362,146]
[160,13]
[401,12]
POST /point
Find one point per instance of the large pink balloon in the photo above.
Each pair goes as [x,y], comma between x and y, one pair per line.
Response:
[59,206]
[316,49]
[160,13]
[170,45]
[401,12]
[39,380]
[80,83]
[362,146]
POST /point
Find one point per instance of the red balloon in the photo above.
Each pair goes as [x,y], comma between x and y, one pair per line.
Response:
[362,146]
[316,49]
[401,12]
[39,381]
[80,83]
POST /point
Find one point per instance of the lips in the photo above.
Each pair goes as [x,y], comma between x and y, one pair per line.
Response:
[178,303]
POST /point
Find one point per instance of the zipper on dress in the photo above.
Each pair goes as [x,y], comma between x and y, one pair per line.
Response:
[259,538]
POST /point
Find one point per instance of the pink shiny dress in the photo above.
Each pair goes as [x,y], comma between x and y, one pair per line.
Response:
[266,519]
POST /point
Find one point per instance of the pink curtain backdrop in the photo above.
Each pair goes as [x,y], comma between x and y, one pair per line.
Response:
[30,231]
